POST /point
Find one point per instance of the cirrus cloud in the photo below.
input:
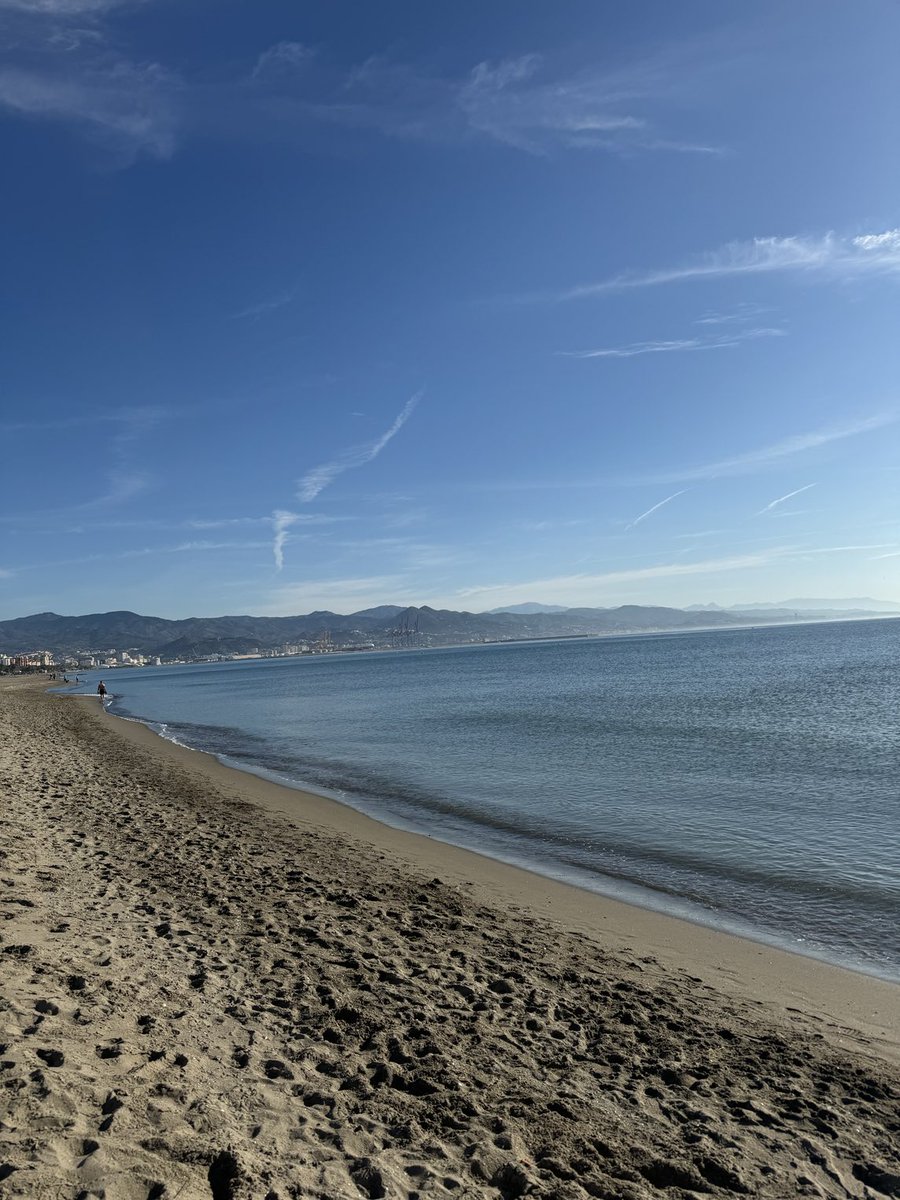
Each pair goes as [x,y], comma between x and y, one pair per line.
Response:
[831,255]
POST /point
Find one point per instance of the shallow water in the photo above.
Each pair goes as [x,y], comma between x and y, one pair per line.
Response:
[747,779]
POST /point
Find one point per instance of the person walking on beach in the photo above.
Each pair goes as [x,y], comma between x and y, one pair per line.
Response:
[101,691]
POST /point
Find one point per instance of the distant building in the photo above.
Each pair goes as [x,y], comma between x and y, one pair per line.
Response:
[39,658]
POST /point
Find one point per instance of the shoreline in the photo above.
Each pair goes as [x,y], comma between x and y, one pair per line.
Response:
[217,988]
[778,978]
[798,901]
[691,915]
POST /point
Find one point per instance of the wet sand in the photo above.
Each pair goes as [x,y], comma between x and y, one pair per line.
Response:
[213,986]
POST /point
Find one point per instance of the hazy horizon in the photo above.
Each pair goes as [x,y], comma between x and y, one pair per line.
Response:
[323,307]
[851,604]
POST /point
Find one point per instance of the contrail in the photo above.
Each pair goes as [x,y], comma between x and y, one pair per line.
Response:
[781,499]
[318,478]
[644,515]
[281,522]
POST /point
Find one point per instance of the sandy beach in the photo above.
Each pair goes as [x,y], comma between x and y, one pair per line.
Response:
[215,987]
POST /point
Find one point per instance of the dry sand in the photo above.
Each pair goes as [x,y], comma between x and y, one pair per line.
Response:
[212,987]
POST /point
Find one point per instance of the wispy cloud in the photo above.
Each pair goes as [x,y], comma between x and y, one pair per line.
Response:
[833,255]
[255,311]
[341,595]
[596,142]
[740,464]
[228,522]
[292,91]
[741,314]
[66,67]
[520,102]
[548,526]
[788,513]
[224,522]
[187,548]
[767,456]
[410,553]
[282,58]
[128,418]
[51,425]
[127,107]
[644,515]
[316,480]
[787,496]
[122,485]
[62,8]
[589,587]
[196,547]
[505,101]
[281,522]
[854,547]
[633,349]
[124,479]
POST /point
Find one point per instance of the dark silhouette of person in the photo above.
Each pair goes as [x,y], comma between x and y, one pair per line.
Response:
[101,691]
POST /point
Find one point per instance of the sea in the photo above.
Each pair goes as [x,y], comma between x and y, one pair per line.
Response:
[745,779]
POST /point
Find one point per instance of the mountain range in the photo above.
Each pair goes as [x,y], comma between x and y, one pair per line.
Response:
[385,625]
[530,608]
[852,607]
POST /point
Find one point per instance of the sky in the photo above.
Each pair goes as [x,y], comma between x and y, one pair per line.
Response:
[322,306]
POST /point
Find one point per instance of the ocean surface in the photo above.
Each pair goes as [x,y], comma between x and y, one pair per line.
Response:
[746,779]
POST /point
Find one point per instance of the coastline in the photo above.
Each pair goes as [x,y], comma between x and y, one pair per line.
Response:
[732,845]
[777,978]
[217,985]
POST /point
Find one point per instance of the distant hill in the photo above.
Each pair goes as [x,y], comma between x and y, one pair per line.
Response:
[383,610]
[855,606]
[385,625]
[529,609]
[195,636]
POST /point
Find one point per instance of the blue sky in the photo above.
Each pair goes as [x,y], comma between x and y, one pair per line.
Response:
[330,305]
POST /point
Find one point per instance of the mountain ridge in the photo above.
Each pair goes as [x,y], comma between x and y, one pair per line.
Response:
[808,604]
[529,608]
[383,626]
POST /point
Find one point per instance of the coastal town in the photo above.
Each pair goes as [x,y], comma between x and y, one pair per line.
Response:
[44,660]
[111,659]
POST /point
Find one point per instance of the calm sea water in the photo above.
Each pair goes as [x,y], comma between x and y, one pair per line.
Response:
[745,779]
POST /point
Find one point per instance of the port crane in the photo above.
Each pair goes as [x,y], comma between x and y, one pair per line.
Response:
[406,632]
